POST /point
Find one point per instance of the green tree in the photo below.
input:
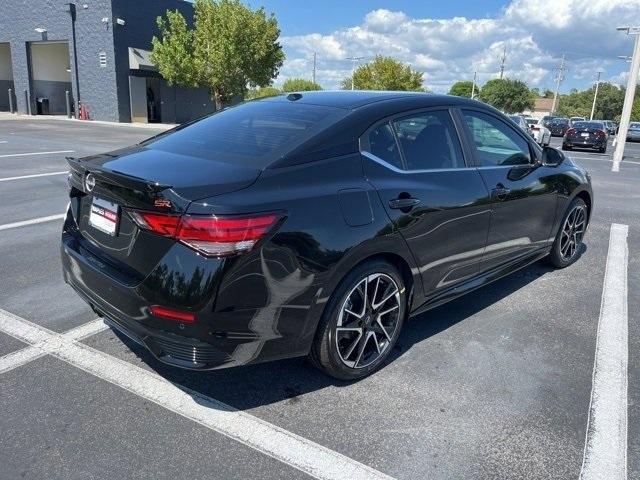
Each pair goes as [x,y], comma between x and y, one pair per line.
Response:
[299,85]
[578,103]
[463,89]
[262,92]
[385,73]
[230,47]
[510,96]
[548,93]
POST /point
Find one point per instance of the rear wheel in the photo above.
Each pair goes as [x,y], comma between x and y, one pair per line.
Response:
[361,323]
[565,147]
[568,243]
[603,150]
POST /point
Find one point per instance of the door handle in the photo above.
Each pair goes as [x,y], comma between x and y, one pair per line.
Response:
[404,204]
[500,192]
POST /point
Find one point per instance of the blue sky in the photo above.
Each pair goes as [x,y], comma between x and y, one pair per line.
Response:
[333,14]
[449,40]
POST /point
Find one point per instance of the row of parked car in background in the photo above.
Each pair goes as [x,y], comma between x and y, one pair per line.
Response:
[576,132]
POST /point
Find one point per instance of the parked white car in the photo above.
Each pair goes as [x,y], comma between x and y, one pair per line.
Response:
[541,133]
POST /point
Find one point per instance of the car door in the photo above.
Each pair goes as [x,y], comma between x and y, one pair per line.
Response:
[523,193]
[434,198]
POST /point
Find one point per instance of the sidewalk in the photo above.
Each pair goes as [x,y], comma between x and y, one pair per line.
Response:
[153,126]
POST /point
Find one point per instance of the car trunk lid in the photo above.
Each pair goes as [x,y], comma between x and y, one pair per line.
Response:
[106,188]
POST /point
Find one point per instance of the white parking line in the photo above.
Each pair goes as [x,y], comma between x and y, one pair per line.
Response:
[24,223]
[605,452]
[46,346]
[289,448]
[34,153]
[35,175]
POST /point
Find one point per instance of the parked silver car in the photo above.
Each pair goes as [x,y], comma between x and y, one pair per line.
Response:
[633,134]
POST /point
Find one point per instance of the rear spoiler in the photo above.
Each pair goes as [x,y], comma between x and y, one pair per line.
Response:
[79,170]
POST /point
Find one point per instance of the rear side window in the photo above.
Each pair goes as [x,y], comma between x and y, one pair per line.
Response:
[254,134]
[496,143]
[382,143]
[429,141]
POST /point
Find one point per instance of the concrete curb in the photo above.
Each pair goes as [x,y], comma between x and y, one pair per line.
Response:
[151,126]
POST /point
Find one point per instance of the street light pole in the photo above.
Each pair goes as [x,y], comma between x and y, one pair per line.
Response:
[473,87]
[595,96]
[628,98]
[353,68]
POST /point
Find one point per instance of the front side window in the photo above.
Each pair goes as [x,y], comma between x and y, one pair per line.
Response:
[429,141]
[495,142]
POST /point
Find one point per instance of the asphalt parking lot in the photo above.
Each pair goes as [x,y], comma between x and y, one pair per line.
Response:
[497,384]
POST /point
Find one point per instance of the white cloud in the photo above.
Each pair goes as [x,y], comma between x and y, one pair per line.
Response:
[536,35]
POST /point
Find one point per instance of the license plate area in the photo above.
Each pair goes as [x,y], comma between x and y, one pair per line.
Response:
[585,135]
[104,216]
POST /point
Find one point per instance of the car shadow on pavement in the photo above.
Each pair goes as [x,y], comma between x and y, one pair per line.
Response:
[287,380]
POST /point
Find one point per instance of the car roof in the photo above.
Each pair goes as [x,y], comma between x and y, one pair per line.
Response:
[353,99]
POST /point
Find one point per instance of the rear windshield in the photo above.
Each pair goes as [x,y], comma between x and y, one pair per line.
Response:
[559,121]
[588,125]
[254,134]
[532,121]
[634,126]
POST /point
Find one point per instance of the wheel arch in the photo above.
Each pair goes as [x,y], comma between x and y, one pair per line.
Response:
[586,198]
[401,258]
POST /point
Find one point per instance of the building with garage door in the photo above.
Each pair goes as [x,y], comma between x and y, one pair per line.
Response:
[95,52]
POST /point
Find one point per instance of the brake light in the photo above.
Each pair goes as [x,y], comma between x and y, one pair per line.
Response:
[534,128]
[171,314]
[210,235]
[570,131]
[600,134]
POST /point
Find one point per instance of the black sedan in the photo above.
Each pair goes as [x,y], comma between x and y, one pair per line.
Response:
[558,126]
[587,134]
[313,224]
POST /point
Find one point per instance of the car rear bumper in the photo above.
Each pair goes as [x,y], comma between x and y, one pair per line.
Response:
[577,143]
[237,335]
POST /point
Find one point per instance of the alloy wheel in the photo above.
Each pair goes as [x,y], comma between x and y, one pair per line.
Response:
[572,232]
[368,320]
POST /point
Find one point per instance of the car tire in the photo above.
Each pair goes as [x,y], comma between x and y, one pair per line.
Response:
[563,255]
[564,147]
[603,150]
[344,346]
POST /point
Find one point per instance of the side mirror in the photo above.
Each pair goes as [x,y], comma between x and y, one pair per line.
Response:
[552,157]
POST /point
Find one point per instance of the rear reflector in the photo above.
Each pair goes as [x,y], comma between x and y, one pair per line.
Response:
[171,314]
[210,235]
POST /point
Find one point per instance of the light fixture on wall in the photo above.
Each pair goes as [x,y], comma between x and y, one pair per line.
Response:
[42,31]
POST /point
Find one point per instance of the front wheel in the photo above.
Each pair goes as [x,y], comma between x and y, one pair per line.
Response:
[361,322]
[568,242]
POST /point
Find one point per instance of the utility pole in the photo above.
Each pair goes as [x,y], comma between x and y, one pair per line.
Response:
[473,86]
[595,95]
[502,61]
[628,98]
[314,68]
[354,60]
[559,78]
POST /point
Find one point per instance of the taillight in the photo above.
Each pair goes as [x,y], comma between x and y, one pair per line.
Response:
[535,129]
[600,134]
[214,236]
[570,131]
